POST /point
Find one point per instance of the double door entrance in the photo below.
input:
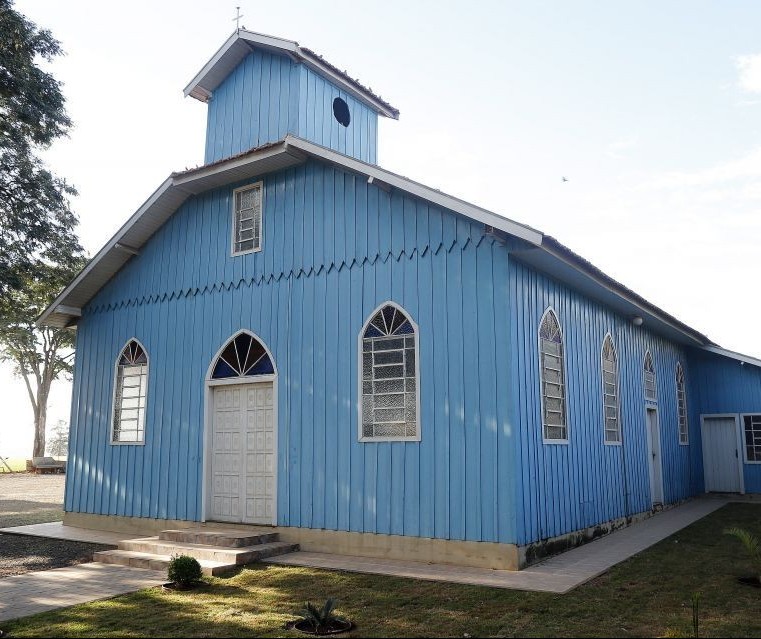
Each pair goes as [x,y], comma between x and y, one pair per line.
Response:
[243,454]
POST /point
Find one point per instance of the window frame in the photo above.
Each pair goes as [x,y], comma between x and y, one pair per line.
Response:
[566,425]
[686,442]
[360,338]
[619,429]
[233,231]
[742,433]
[653,400]
[111,440]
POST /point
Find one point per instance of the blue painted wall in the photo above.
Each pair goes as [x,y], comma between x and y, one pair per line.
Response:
[567,487]
[268,96]
[722,385]
[334,248]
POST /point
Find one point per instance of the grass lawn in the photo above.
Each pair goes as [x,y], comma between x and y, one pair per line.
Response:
[17,464]
[646,596]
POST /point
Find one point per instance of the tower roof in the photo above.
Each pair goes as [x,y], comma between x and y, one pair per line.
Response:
[242,42]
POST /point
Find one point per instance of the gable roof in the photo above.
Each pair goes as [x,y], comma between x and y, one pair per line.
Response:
[531,246]
[242,42]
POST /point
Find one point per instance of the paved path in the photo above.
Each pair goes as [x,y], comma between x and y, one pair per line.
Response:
[35,592]
[57,530]
[559,574]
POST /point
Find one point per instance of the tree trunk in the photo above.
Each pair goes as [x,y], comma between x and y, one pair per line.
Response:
[40,422]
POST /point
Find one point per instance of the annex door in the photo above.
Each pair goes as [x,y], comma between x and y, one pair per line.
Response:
[243,454]
[721,454]
[656,467]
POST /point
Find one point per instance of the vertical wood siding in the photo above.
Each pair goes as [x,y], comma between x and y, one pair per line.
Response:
[317,123]
[567,487]
[334,248]
[722,385]
[268,96]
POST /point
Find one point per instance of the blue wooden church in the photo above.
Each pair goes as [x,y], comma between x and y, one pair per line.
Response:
[292,336]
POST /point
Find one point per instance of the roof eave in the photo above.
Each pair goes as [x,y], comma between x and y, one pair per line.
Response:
[199,89]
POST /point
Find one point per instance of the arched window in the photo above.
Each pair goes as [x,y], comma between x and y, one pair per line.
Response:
[552,373]
[389,381]
[681,406]
[610,391]
[130,392]
[243,356]
[651,391]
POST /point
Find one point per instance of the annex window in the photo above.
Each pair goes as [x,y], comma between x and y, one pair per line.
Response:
[552,373]
[389,377]
[681,406]
[247,219]
[610,391]
[242,356]
[648,379]
[129,395]
[752,433]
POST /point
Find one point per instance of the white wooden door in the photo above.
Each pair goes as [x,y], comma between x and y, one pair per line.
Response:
[721,454]
[243,454]
[656,466]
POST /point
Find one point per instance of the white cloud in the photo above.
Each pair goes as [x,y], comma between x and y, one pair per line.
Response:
[749,67]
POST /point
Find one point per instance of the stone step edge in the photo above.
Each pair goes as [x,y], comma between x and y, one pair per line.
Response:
[163,548]
[231,539]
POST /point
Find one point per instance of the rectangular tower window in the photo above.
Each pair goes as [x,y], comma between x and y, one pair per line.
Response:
[247,219]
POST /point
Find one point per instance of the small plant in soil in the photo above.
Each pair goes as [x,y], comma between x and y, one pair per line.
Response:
[753,547]
[184,572]
[321,621]
[696,614]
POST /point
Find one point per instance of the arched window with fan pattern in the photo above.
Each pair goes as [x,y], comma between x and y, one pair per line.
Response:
[649,379]
[243,356]
[130,394]
[389,384]
[610,391]
[552,377]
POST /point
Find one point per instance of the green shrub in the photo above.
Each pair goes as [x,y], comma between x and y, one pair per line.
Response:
[184,570]
[752,546]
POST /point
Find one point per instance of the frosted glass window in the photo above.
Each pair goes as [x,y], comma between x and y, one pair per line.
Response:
[552,375]
[389,383]
[610,392]
[247,219]
[130,393]
[752,434]
[681,406]
[651,391]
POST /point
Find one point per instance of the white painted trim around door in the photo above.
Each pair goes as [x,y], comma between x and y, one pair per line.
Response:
[209,386]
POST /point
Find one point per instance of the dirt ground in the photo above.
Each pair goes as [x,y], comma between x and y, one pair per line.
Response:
[34,499]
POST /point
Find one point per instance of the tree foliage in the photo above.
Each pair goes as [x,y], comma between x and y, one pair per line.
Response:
[36,222]
[39,355]
[39,249]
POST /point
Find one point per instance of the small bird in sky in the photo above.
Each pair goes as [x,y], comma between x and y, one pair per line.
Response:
[565,179]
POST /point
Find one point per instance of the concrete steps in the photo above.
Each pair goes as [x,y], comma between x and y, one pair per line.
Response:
[218,551]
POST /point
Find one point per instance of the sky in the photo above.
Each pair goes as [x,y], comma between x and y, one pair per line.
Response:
[650,109]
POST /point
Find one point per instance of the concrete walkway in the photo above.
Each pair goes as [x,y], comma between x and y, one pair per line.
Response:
[34,592]
[57,530]
[558,574]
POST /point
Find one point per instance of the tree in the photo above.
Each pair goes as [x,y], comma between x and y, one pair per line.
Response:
[39,355]
[39,249]
[34,206]
[59,439]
